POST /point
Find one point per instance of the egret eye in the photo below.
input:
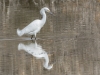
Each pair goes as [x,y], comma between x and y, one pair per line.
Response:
[48,10]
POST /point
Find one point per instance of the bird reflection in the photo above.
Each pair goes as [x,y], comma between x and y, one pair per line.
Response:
[37,51]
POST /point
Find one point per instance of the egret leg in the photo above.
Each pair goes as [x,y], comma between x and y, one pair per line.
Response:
[32,37]
[35,36]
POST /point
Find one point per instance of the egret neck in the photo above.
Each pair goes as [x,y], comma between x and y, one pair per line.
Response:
[43,20]
[45,64]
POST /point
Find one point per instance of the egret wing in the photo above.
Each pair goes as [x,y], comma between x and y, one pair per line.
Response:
[32,26]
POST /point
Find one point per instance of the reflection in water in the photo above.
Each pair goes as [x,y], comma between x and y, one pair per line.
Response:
[37,51]
[73,35]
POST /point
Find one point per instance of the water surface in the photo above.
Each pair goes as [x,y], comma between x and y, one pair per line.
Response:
[70,38]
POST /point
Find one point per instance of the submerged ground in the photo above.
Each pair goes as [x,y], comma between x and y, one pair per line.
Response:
[71,37]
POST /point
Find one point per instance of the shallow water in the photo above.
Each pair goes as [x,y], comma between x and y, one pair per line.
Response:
[70,38]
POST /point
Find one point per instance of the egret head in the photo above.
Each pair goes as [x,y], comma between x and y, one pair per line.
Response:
[46,9]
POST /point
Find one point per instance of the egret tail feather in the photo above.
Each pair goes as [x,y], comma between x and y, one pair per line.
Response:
[19,46]
[19,32]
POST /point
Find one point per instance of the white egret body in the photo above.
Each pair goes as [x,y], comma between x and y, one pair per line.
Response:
[34,27]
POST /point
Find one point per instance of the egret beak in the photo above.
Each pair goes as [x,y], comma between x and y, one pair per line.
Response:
[51,13]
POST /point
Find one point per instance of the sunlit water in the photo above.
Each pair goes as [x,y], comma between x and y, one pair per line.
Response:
[70,39]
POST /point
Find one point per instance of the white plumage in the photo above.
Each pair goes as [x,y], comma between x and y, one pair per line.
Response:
[37,51]
[34,27]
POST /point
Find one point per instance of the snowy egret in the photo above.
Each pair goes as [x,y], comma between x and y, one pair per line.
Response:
[34,27]
[37,51]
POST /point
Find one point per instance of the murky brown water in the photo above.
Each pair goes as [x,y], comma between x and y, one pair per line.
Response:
[71,38]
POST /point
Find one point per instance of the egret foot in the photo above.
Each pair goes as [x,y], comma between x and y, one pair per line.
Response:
[31,36]
[35,38]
